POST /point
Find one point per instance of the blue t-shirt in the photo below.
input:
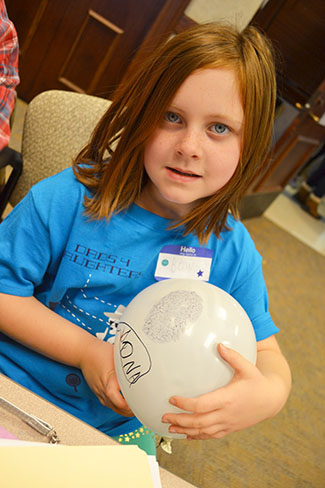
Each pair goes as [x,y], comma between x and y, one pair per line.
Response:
[89,270]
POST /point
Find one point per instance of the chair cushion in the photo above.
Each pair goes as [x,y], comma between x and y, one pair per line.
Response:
[57,125]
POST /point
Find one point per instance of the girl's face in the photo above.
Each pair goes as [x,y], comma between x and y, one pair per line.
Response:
[196,148]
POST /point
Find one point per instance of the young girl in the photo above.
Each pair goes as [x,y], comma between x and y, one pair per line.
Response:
[166,165]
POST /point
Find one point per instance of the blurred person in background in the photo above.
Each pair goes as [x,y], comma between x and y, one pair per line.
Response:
[9,79]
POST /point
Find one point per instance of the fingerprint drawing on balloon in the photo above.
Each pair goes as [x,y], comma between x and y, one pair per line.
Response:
[171,315]
[166,321]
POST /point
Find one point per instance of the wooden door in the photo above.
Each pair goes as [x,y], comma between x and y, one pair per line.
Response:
[302,137]
[83,45]
[299,141]
[296,28]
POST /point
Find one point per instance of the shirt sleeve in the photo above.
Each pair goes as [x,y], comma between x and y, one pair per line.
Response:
[25,249]
[9,77]
[251,293]
[245,280]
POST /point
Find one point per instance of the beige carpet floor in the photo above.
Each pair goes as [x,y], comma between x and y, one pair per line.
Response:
[287,451]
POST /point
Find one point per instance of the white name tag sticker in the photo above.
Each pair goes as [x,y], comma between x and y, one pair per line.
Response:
[184,262]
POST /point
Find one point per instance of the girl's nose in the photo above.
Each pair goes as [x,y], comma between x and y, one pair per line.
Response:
[189,144]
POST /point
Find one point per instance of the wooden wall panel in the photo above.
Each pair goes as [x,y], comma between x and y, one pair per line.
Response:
[84,66]
[296,27]
[84,45]
[31,24]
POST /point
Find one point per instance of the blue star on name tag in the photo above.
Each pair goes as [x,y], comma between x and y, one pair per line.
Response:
[184,262]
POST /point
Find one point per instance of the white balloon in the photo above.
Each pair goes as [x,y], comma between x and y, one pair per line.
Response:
[166,344]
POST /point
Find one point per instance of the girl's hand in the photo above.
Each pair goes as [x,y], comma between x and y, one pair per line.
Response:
[97,366]
[249,398]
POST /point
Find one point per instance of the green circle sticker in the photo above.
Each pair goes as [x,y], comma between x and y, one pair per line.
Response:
[165,262]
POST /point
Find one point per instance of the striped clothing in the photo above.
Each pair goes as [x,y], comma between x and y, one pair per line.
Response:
[8,73]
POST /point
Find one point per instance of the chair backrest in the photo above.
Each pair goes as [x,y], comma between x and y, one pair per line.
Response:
[57,125]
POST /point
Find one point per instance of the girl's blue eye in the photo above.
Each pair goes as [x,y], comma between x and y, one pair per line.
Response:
[220,129]
[172,117]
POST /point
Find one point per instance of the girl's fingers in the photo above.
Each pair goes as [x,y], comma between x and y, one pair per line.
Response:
[189,422]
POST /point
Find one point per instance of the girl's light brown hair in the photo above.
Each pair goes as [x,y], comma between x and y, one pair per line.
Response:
[139,104]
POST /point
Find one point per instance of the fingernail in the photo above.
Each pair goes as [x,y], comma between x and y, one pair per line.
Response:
[165,421]
[223,347]
[172,430]
[172,401]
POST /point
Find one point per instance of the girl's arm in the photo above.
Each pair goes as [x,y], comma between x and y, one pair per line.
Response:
[31,323]
[255,393]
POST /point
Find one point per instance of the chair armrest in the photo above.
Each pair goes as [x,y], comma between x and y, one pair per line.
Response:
[9,157]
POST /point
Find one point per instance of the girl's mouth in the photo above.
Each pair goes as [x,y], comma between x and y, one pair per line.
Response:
[178,172]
